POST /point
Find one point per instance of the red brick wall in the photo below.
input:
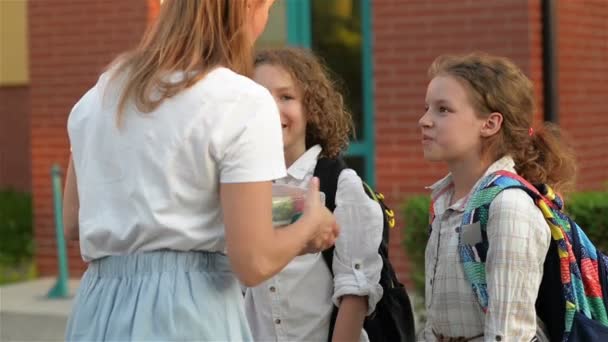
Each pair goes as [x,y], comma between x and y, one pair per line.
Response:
[407,37]
[71,41]
[583,85]
[15,138]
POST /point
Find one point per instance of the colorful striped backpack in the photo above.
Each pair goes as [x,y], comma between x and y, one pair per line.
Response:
[573,295]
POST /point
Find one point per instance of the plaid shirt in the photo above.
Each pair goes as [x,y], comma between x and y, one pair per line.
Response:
[519,240]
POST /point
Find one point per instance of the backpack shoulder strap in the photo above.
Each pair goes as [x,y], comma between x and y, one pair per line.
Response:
[328,171]
[473,255]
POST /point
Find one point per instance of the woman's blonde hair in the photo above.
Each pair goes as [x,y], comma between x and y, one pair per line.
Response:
[496,84]
[189,36]
[328,121]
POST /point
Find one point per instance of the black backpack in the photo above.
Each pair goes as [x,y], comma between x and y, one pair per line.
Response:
[393,319]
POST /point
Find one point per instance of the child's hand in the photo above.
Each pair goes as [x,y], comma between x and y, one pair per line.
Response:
[321,222]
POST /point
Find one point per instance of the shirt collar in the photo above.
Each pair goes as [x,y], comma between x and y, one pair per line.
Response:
[305,164]
[445,184]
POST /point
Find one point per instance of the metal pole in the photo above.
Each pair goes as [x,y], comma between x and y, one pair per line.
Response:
[60,290]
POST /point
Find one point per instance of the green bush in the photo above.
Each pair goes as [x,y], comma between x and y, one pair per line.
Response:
[17,273]
[416,232]
[588,209]
[16,244]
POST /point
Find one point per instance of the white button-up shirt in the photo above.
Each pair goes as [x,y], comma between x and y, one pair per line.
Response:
[296,304]
[519,240]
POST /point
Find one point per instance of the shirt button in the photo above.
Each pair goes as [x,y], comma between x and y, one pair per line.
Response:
[273,289]
[498,338]
[277,321]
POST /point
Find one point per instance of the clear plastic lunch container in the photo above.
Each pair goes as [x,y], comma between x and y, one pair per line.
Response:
[288,204]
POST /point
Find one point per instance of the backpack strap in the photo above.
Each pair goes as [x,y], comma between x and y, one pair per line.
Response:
[328,171]
[473,256]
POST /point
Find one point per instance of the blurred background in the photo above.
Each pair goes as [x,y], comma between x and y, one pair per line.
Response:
[51,52]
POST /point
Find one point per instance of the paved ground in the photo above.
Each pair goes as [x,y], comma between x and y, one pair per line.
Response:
[26,314]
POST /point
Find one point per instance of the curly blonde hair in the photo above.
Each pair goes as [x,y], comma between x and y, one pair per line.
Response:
[328,121]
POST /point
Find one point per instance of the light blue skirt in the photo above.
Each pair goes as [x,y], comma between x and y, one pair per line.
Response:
[159,296]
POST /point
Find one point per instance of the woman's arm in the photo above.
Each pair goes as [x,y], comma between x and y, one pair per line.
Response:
[71,204]
[257,250]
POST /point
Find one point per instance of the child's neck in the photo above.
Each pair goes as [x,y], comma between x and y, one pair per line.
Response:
[293,153]
[465,173]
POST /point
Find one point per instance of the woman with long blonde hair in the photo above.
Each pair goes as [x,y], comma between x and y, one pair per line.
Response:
[166,178]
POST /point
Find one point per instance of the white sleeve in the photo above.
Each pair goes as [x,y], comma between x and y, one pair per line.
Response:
[357,264]
[254,152]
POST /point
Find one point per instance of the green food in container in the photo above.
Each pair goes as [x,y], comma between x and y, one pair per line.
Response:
[287,204]
[283,210]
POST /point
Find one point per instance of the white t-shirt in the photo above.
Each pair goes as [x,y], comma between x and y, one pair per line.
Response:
[154,182]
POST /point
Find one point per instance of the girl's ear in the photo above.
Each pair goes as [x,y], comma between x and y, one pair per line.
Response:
[492,125]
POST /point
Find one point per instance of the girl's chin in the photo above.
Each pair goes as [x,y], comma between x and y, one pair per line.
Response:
[432,157]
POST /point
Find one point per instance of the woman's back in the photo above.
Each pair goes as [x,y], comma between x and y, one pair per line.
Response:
[152,182]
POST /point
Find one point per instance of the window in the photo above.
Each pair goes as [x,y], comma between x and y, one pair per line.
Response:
[341,35]
[336,38]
